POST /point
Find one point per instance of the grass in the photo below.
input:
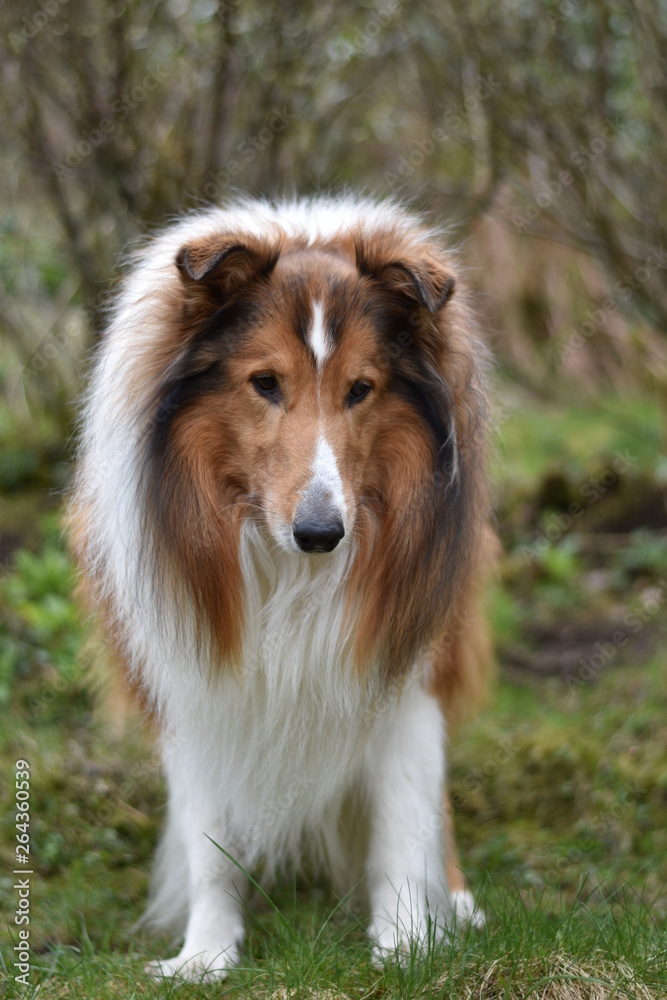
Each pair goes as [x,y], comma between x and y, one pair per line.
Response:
[559,787]
[524,949]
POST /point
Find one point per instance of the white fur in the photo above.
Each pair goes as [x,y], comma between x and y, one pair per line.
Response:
[318,335]
[269,755]
[325,487]
[323,491]
[325,474]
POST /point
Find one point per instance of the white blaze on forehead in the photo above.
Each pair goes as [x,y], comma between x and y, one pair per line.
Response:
[318,335]
[326,477]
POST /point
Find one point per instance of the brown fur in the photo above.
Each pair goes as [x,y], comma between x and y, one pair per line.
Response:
[462,654]
[455,880]
[118,692]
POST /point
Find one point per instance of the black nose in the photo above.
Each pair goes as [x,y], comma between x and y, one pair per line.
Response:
[318,536]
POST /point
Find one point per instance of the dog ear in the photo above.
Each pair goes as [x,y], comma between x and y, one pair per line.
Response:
[414,272]
[225,263]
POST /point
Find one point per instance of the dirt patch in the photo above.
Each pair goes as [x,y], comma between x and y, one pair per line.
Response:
[564,649]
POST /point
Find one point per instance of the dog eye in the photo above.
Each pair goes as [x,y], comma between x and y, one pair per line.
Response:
[266,385]
[358,391]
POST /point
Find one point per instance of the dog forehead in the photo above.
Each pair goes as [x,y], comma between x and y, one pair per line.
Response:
[318,302]
[315,274]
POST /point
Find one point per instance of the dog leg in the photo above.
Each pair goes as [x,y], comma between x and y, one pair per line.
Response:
[214,932]
[462,901]
[404,780]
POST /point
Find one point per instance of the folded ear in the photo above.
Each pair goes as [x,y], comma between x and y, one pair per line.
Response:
[225,263]
[413,272]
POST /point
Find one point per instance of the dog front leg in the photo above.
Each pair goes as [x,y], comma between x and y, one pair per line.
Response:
[404,779]
[214,932]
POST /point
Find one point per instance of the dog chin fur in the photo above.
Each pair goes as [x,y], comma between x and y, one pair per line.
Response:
[289,751]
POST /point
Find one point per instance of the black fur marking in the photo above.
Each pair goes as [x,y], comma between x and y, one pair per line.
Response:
[296,305]
[413,377]
[302,318]
[425,295]
[447,292]
[344,297]
[428,395]
[198,372]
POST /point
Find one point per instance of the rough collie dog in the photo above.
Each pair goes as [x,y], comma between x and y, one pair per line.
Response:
[281,513]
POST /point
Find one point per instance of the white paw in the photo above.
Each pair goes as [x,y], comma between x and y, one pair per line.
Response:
[465,910]
[393,941]
[388,947]
[393,938]
[203,967]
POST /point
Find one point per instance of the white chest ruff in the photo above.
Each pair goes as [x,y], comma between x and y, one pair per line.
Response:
[282,739]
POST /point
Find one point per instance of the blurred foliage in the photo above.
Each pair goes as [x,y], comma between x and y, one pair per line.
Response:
[40,628]
[535,129]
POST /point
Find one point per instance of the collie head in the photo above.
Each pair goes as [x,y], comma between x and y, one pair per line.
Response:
[310,369]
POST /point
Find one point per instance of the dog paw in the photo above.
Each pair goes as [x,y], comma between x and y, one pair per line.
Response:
[388,946]
[393,942]
[202,967]
[465,910]
[394,939]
